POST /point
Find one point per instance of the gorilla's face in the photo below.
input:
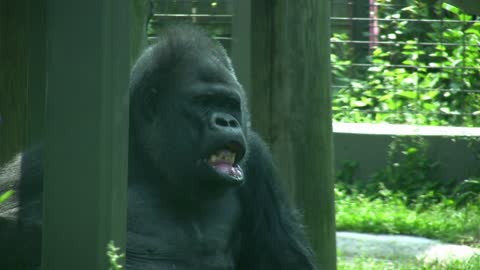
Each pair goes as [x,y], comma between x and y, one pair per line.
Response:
[193,126]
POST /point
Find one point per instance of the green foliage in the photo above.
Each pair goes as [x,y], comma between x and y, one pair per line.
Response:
[411,172]
[409,82]
[468,191]
[346,174]
[407,198]
[6,195]
[114,256]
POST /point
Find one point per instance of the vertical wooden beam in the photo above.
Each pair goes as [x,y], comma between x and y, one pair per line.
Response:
[36,72]
[141,11]
[251,56]
[241,43]
[302,120]
[86,128]
[13,76]
[291,105]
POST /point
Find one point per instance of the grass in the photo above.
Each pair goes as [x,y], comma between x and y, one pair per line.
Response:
[372,264]
[389,214]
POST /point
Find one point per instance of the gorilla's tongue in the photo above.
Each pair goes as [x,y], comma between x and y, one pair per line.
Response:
[228,169]
[223,162]
[223,167]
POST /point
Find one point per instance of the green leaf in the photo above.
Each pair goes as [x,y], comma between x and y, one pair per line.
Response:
[357,103]
[407,94]
[451,8]
[412,150]
[6,195]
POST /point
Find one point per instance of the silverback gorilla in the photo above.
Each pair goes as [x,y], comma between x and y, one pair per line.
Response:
[202,194]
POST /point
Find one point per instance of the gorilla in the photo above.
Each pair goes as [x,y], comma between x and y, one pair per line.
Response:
[202,189]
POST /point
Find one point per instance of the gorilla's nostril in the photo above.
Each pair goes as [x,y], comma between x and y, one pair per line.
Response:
[233,123]
[221,122]
[224,120]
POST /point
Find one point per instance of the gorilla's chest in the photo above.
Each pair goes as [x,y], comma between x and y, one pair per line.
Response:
[158,239]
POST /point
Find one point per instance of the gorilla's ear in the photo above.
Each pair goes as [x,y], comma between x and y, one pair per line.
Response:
[149,102]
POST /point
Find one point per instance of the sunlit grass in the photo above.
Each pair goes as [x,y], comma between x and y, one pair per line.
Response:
[389,214]
[361,263]
[372,264]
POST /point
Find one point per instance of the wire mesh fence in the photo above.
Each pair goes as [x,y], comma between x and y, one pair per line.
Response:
[405,61]
[214,16]
[394,61]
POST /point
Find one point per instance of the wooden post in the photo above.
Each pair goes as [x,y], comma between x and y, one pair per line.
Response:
[86,132]
[241,43]
[13,76]
[290,103]
[36,75]
[141,10]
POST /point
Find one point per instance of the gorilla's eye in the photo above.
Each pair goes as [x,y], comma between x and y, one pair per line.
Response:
[219,100]
[232,104]
[203,100]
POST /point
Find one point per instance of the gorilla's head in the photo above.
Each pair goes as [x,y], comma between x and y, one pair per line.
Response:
[188,118]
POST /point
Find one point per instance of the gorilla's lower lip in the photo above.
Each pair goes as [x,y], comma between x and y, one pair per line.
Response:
[233,171]
[230,174]
[223,161]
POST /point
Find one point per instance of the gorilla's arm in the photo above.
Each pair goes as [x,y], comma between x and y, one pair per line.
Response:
[20,214]
[272,237]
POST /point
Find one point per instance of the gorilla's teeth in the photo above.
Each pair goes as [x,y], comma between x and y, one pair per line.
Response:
[223,155]
[213,158]
[227,156]
[232,159]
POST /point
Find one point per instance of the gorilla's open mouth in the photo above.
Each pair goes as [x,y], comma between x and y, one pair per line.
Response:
[225,161]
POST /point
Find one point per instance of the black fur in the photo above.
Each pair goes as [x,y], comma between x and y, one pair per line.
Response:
[185,104]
